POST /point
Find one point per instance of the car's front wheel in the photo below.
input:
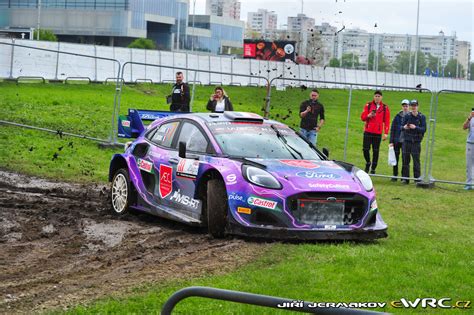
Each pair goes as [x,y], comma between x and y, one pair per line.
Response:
[121,192]
[217,208]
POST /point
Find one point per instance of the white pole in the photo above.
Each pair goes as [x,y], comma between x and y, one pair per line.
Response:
[416,37]
[194,13]
[39,18]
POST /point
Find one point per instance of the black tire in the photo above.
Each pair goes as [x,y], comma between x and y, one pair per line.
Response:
[121,192]
[217,208]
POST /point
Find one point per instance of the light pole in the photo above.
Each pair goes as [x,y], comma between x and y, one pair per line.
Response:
[416,36]
[179,23]
[39,18]
[194,13]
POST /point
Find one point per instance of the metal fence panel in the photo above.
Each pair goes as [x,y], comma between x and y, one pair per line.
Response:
[76,66]
[27,62]
[105,68]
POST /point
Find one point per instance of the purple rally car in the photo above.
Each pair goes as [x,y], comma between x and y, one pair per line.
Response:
[238,173]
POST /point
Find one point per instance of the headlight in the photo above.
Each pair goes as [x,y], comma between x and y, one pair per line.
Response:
[260,177]
[364,179]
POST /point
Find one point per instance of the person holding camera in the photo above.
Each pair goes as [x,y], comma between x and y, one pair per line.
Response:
[310,111]
[414,128]
[180,95]
[396,136]
[376,116]
[469,125]
[219,101]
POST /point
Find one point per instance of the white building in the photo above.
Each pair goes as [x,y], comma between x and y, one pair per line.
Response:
[262,21]
[300,23]
[224,8]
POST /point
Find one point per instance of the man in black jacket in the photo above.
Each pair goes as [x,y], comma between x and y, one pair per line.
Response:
[396,139]
[180,96]
[310,110]
[413,129]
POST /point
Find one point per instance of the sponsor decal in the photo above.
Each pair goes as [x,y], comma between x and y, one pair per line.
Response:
[329,186]
[184,200]
[300,163]
[231,179]
[318,175]
[187,168]
[329,164]
[234,196]
[329,227]
[244,210]
[374,205]
[126,123]
[263,203]
[166,180]
[145,165]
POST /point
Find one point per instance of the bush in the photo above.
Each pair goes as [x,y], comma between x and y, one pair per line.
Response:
[142,43]
[46,35]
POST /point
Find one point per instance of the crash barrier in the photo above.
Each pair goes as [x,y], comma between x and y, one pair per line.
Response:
[34,64]
[192,78]
[254,299]
[59,65]
[78,79]
[26,78]
[448,153]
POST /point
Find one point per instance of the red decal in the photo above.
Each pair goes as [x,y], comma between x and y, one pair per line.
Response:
[300,163]
[166,180]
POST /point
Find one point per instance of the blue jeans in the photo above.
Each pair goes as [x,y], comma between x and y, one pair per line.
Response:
[310,135]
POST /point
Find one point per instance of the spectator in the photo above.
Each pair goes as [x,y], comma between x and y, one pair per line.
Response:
[377,123]
[469,124]
[310,111]
[219,101]
[180,95]
[414,128]
[396,136]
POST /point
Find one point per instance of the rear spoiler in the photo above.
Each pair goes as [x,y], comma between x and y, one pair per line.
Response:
[131,125]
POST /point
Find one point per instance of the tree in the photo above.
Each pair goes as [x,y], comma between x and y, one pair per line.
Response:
[406,61]
[450,69]
[334,62]
[432,63]
[381,65]
[349,60]
[142,43]
[45,35]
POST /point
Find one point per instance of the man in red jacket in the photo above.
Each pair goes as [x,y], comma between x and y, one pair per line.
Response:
[376,116]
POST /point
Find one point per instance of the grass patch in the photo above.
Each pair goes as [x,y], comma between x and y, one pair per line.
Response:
[426,254]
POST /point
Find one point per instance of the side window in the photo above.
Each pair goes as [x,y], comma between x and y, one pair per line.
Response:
[165,133]
[195,140]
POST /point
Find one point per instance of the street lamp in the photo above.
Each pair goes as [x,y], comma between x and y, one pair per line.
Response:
[39,18]
[416,36]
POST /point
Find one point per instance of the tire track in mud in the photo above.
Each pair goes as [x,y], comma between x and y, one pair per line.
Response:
[60,246]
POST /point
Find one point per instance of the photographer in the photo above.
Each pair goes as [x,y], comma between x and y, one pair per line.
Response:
[414,128]
[219,101]
[469,124]
[310,110]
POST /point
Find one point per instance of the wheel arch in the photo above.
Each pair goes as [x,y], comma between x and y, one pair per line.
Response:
[118,162]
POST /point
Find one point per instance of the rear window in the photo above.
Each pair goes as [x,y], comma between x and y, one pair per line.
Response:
[261,141]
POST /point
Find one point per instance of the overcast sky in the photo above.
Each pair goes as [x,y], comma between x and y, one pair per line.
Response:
[395,17]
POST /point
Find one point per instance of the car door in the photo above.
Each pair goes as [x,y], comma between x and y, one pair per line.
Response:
[186,170]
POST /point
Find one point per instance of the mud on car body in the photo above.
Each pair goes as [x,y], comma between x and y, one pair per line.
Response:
[238,173]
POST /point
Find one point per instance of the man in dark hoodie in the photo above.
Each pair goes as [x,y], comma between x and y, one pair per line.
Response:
[396,135]
[180,95]
[414,128]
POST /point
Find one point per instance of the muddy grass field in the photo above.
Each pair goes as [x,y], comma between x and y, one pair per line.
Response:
[60,246]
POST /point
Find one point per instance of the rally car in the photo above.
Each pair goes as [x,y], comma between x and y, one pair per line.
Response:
[238,173]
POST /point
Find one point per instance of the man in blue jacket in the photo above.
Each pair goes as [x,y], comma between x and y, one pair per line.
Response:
[413,129]
[396,138]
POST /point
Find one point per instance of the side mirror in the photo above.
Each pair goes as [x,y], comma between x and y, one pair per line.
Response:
[326,152]
[182,149]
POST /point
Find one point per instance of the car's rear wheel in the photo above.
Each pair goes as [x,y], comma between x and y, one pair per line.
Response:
[121,192]
[217,208]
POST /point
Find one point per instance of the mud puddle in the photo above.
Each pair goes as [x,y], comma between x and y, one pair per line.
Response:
[60,246]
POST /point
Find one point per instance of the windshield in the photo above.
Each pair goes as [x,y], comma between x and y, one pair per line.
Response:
[261,141]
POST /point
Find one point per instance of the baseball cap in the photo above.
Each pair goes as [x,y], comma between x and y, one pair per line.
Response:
[405,101]
[414,102]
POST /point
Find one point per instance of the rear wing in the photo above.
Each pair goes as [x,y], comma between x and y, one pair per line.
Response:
[131,125]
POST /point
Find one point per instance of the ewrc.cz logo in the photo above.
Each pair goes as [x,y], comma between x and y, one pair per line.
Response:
[430,302]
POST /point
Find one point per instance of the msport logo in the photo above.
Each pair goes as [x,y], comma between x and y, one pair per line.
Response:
[184,200]
[318,175]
